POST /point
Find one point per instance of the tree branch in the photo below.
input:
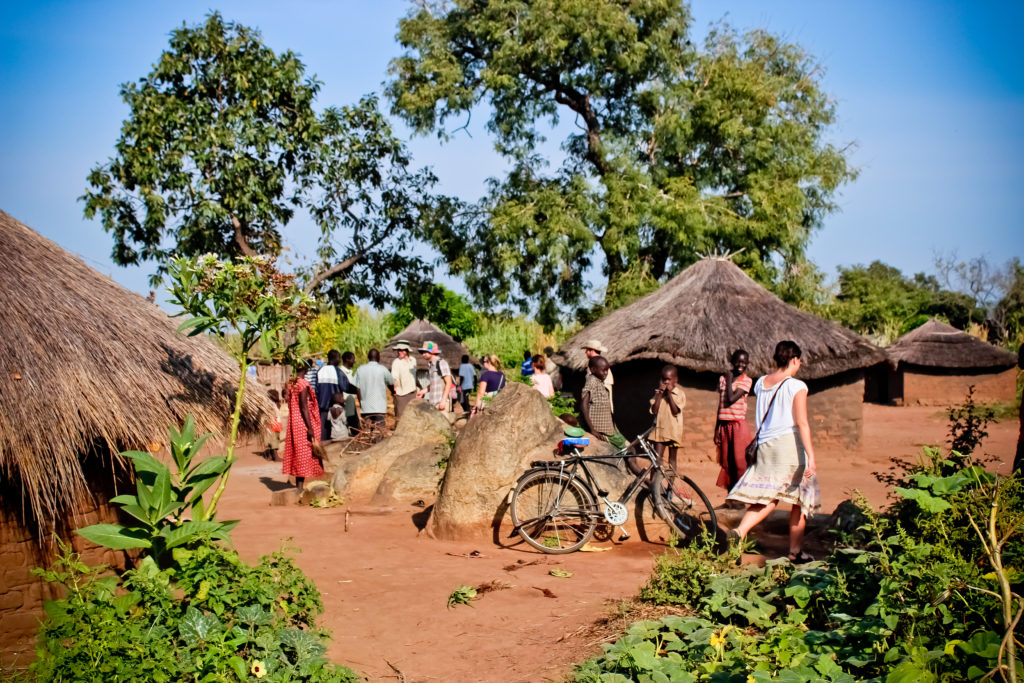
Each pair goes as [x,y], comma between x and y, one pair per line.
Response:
[240,238]
[333,271]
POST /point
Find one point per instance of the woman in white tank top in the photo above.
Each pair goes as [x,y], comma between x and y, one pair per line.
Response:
[785,470]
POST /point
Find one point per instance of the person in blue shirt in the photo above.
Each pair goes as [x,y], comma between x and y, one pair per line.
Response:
[330,380]
[526,369]
[467,377]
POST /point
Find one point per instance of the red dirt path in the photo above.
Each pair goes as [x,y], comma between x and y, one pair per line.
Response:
[385,586]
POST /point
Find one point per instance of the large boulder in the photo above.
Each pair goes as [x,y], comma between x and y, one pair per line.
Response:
[490,454]
[413,476]
[357,476]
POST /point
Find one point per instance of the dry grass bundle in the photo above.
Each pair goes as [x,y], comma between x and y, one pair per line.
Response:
[698,318]
[938,345]
[90,367]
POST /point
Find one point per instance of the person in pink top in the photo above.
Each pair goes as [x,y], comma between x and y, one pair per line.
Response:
[541,379]
[732,433]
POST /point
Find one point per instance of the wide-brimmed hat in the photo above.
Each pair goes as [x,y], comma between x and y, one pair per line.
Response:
[594,344]
[402,345]
[430,347]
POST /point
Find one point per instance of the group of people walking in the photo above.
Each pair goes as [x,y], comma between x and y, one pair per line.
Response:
[773,465]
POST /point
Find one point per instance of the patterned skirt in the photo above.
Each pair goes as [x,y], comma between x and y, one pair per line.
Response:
[778,475]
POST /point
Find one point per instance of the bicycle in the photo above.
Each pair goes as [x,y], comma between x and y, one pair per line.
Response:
[556,511]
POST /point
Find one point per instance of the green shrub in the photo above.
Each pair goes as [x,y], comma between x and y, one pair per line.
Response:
[358,331]
[681,575]
[213,618]
[922,598]
[507,338]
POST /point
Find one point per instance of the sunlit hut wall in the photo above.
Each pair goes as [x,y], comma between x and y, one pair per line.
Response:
[936,364]
[695,321]
[88,369]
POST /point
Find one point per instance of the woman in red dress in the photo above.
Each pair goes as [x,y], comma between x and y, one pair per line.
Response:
[303,428]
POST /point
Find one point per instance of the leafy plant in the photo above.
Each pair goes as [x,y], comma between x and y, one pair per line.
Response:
[968,424]
[212,617]
[560,405]
[927,594]
[463,595]
[251,299]
[163,498]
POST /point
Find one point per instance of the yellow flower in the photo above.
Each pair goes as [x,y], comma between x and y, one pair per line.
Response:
[259,669]
[751,679]
[719,638]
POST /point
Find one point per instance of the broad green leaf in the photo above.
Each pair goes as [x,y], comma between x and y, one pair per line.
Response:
[238,666]
[198,627]
[161,494]
[927,501]
[187,531]
[115,536]
[144,462]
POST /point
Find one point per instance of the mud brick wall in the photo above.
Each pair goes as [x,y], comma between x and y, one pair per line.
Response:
[834,405]
[21,593]
[942,387]
[835,408]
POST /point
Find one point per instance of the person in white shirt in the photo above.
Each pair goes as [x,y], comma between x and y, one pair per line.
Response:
[785,470]
[403,370]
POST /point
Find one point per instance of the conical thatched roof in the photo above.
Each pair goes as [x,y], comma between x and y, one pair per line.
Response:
[420,331]
[698,318]
[938,345]
[88,365]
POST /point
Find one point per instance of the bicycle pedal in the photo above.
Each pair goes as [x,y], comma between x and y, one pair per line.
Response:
[624,537]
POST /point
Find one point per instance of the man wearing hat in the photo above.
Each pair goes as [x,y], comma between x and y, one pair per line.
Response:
[438,391]
[595,348]
[403,370]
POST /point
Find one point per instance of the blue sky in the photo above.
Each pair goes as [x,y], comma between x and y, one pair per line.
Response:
[931,93]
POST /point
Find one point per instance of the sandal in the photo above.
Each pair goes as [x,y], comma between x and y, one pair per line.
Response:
[800,558]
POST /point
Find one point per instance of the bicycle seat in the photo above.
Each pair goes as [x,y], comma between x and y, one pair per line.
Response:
[579,442]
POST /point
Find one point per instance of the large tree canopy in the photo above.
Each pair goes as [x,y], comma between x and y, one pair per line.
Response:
[222,146]
[677,149]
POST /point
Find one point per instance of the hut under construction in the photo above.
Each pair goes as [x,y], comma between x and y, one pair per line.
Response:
[89,369]
[418,332]
[936,364]
[695,321]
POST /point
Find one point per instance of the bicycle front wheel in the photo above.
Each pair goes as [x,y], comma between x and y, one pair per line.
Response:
[683,506]
[553,512]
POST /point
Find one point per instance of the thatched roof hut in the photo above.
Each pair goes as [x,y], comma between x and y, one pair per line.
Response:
[89,369]
[936,364]
[938,345]
[703,314]
[418,332]
[695,321]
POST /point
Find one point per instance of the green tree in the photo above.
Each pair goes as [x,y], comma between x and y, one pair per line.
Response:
[677,150]
[222,146]
[1009,312]
[438,304]
[878,299]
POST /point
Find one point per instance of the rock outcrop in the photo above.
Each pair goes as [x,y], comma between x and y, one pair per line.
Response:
[422,430]
[490,454]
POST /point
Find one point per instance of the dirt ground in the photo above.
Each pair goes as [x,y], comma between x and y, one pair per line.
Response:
[385,586]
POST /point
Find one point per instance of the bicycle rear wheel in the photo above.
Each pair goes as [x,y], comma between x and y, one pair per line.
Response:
[683,506]
[553,512]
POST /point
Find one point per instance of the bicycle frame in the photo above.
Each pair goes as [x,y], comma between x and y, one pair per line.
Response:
[576,461]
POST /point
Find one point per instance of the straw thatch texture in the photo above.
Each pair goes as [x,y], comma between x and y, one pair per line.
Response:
[88,366]
[703,314]
[938,345]
[420,331]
